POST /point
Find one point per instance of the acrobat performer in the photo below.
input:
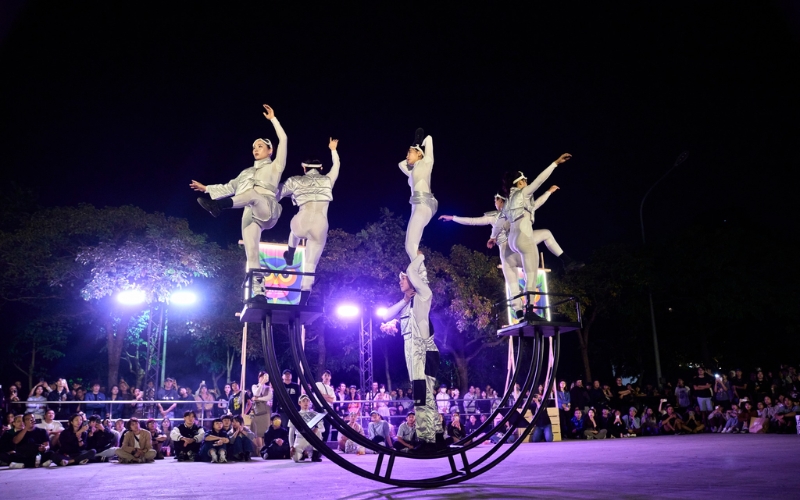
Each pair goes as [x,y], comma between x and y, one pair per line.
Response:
[519,210]
[418,166]
[297,443]
[312,192]
[254,190]
[422,356]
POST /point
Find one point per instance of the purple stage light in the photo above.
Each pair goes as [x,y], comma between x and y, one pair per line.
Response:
[381,312]
[183,298]
[131,297]
[348,311]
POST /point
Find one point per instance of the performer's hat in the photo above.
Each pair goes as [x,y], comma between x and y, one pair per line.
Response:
[521,177]
[265,141]
[312,164]
[498,195]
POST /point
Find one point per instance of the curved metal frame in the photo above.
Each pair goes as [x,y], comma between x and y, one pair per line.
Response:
[457,475]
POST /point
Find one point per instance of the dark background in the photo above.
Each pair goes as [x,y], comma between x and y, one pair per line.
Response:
[124,103]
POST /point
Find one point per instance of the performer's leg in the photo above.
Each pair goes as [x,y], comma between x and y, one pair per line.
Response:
[420,216]
[315,244]
[251,235]
[525,246]
[510,261]
[427,414]
[544,235]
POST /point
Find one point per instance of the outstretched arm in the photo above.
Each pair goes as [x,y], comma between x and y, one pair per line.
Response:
[280,155]
[393,311]
[486,220]
[334,173]
[539,180]
[543,198]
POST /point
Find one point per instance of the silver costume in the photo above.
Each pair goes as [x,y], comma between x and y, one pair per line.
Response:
[422,356]
[254,190]
[313,193]
[519,210]
[423,204]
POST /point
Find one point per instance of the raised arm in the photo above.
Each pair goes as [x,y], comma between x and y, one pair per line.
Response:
[428,143]
[334,173]
[280,156]
[538,202]
[404,168]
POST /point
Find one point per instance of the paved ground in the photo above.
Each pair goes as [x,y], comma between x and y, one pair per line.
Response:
[675,467]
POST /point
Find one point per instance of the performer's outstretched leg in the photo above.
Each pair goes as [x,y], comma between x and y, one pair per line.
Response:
[420,216]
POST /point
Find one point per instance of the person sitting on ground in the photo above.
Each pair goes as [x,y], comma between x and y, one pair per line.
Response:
[783,420]
[378,430]
[633,424]
[717,419]
[591,430]
[604,419]
[276,440]
[119,430]
[298,446]
[471,424]
[692,425]
[241,446]
[746,412]
[167,445]
[214,442]
[455,430]
[157,438]
[649,423]
[348,445]
[101,440]
[137,445]
[52,427]
[73,449]
[187,438]
[575,428]
[407,434]
[670,421]
[731,420]
[616,426]
[31,445]
[7,449]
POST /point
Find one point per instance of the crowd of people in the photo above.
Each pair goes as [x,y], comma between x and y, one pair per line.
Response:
[62,424]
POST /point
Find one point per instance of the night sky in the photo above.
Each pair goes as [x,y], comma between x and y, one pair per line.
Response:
[116,103]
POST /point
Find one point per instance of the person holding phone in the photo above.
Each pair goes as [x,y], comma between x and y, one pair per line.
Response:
[73,450]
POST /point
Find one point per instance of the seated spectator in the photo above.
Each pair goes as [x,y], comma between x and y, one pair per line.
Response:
[649,423]
[7,448]
[214,444]
[348,445]
[471,424]
[575,428]
[93,406]
[783,420]
[498,436]
[187,438]
[276,440]
[605,419]
[168,443]
[137,445]
[298,446]
[670,421]
[543,428]
[157,438]
[692,425]
[31,445]
[73,450]
[633,425]
[746,412]
[407,434]
[119,429]
[101,440]
[378,431]
[241,446]
[731,420]
[38,395]
[590,428]
[455,430]
[616,427]
[717,419]
[52,427]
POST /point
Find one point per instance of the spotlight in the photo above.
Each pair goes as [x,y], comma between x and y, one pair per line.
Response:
[347,311]
[131,297]
[183,298]
[381,311]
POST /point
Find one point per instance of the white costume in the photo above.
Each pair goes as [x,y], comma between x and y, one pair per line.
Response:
[297,441]
[423,204]
[254,190]
[519,211]
[313,193]
[422,356]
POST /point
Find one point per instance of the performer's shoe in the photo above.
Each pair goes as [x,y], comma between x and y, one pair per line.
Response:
[425,448]
[210,205]
[304,295]
[288,256]
[532,316]
[519,314]
[258,299]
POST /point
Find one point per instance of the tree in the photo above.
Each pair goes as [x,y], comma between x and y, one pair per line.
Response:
[40,339]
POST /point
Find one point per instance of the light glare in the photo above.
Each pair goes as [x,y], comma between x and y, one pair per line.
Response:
[183,298]
[381,312]
[131,297]
[347,311]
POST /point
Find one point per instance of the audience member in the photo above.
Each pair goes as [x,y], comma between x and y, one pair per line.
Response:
[52,427]
[100,440]
[167,393]
[187,438]
[298,446]
[590,428]
[214,444]
[276,441]
[262,411]
[73,449]
[407,434]
[136,446]
[378,430]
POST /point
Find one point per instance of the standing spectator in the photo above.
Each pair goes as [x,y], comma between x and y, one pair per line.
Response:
[380,402]
[633,425]
[739,386]
[115,410]
[187,438]
[185,395]
[404,403]
[597,397]
[235,406]
[339,406]
[682,395]
[370,396]
[205,405]
[167,393]
[60,393]
[621,395]
[73,449]
[761,386]
[483,405]
[722,389]
[136,408]
[564,406]
[101,440]
[38,395]
[293,390]
[276,441]
[443,400]
[590,428]
[378,431]
[353,406]
[579,396]
[93,407]
[325,388]
[347,445]
[407,434]
[702,385]
[137,445]
[456,404]
[52,427]
[469,401]
[222,406]
[262,411]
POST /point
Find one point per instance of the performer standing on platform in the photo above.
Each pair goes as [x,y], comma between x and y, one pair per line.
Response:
[418,166]
[422,356]
[312,193]
[520,214]
[254,190]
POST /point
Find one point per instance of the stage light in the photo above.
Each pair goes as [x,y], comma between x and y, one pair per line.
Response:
[347,311]
[381,312]
[131,297]
[183,298]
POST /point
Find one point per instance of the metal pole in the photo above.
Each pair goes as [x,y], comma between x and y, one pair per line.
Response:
[681,158]
[164,352]
[242,388]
